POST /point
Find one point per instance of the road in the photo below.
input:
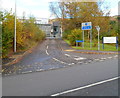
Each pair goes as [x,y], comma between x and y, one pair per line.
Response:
[106,89]
[54,81]
[52,54]
[50,69]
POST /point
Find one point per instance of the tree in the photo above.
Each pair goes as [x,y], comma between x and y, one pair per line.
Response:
[72,14]
[27,32]
[7,32]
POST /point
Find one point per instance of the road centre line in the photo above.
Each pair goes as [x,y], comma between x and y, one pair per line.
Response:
[47,47]
[87,86]
[47,52]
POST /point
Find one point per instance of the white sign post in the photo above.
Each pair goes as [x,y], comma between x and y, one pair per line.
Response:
[87,26]
[98,29]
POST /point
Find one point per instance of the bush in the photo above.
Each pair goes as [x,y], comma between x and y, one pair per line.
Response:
[39,36]
[74,35]
[65,34]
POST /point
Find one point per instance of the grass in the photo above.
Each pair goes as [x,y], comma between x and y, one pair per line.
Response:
[107,47]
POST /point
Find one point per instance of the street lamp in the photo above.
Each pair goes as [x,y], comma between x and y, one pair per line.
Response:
[98,29]
[15,30]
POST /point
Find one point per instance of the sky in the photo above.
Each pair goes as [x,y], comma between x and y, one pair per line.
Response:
[40,8]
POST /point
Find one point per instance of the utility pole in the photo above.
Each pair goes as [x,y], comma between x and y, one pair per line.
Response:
[15,30]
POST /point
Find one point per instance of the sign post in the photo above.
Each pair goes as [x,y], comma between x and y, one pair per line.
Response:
[87,26]
[79,41]
[98,29]
[90,39]
[83,40]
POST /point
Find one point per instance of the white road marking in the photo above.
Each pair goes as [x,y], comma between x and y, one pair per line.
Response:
[71,64]
[39,70]
[116,56]
[89,61]
[59,61]
[80,62]
[63,62]
[96,59]
[79,58]
[109,57]
[51,68]
[67,55]
[55,59]
[47,52]
[86,63]
[47,47]
[103,58]
[87,86]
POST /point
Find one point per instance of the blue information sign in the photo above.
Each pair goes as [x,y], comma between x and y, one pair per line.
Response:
[79,41]
[87,26]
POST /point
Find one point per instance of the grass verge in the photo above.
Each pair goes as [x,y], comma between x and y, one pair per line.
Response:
[107,47]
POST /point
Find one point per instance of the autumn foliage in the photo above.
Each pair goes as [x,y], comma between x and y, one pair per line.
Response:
[27,33]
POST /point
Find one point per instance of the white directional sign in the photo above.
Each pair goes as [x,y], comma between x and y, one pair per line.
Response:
[87,26]
[109,40]
[98,28]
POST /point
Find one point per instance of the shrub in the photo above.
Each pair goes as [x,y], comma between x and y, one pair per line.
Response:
[39,36]
[75,34]
[65,34]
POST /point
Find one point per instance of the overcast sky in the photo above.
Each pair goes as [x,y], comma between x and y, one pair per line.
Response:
[40,8]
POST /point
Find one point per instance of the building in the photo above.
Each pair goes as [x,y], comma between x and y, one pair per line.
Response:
[52,29]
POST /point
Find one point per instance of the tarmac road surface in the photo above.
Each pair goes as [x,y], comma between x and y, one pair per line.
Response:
[51,82]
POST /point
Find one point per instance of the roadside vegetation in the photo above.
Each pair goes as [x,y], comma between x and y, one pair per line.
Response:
[28,33]
[72,14]
[107,47]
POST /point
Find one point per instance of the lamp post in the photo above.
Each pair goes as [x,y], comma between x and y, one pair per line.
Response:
[15,30]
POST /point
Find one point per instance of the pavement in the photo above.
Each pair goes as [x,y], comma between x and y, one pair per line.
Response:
[51,54]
